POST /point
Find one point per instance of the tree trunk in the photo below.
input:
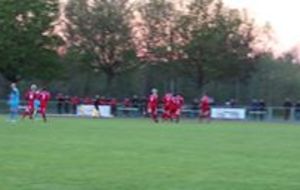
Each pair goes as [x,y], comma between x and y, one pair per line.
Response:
[200,77]
[109,82]
[86,89]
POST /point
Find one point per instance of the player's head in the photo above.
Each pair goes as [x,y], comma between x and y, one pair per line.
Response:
[13,85]
[154,91]
[33,87]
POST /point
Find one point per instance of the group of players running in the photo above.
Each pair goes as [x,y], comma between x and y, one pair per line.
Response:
[37,102]
[173,105]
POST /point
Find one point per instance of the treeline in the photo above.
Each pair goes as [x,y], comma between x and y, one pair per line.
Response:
[120,48]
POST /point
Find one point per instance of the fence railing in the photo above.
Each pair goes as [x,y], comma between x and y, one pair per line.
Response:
[269,114]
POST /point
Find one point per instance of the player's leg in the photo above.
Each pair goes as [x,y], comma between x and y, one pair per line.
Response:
[43,113]
[164,116]
[177,115]
[25,113]
[207,116]
[154,115]
[171,115]
[200,115]
[30,113]
[35,113]
[13,113]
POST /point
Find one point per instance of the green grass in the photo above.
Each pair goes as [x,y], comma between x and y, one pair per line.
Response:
[75,154]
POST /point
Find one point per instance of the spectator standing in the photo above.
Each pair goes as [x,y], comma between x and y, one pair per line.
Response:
[287,105]
[67,104]
[254,108]
[60,101]
[135,104]
[103,101]
[135,101]
[113,104]
[262,109]
[75,101]
[127,105]
[143,106]
[88,101]
[233,103]
[297,110]
[195,108]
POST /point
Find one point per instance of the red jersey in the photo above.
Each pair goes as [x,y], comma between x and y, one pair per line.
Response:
[88,101]
[205,103]
[167,101]
[180,101]
[75,100]
[127,102]
[102,101]
[30,96]
[113,102]
[44,98]
[153,101]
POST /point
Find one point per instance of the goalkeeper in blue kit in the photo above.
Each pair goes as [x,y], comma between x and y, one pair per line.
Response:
[14,102]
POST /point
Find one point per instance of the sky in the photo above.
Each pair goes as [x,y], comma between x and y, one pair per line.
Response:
[283,16]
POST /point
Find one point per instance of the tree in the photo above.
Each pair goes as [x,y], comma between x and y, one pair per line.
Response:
[160,41]
[27,43]
[101,32]
[275,79]
[218,42]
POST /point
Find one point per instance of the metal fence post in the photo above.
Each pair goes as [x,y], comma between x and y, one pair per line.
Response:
[292,116]
[270,114]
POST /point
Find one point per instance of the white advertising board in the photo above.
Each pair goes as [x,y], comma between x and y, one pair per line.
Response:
[90,111]
[228,113]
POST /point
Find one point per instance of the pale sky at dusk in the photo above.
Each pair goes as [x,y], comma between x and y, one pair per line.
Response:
[283,15]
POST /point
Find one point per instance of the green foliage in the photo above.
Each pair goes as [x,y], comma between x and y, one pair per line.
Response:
[208,42]
[219,42]
[275,80]
[27,45]
[101,33]
[158,23]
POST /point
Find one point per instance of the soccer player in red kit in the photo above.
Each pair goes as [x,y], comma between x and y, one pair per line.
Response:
[44,97]
[179,103]
[75,101]
[167,102]
[30,97]
[153,105]
[205,108]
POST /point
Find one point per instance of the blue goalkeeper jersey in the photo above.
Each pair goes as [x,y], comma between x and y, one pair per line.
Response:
[14,97]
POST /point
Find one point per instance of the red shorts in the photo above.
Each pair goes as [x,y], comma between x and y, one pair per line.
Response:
[30,108]
[173,110]
[178,111]
[205,113]
[152,110]
[43,110]
[167,108]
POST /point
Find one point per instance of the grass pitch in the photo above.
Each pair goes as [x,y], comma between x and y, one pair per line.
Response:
[78,154]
